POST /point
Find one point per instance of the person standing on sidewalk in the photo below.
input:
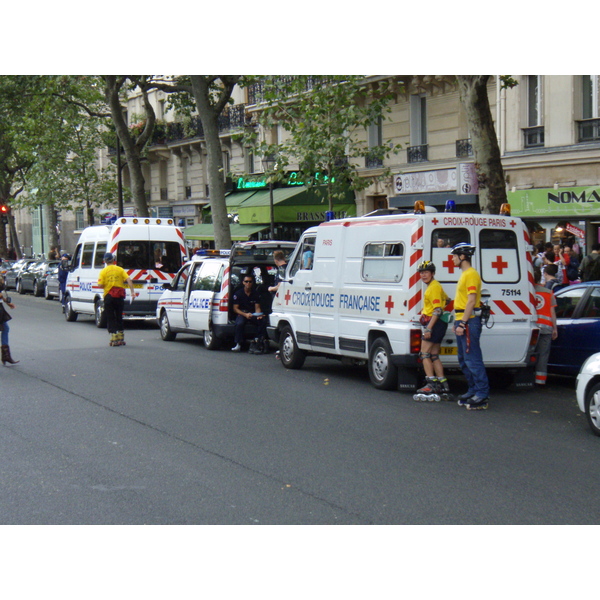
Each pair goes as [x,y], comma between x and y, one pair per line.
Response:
[467,327]
[546,321]
[4,319]
[112,280]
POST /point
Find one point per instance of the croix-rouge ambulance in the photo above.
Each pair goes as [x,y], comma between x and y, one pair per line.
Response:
[150,250]
[361,297]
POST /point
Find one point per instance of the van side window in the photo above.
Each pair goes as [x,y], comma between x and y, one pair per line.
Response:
[87,256]
[99,257]
[76,257]
[179,283]
[206,276]
[499,255]
[383,261]
[305,256]
[442,240]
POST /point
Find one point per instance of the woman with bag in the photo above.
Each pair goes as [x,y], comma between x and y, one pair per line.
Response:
[4,328]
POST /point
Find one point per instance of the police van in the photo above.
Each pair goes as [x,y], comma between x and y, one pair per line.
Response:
[361,298]
[150,250]
[198,300]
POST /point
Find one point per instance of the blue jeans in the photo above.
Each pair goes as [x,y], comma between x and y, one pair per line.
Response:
[240,325]
[4,336]
[471,361]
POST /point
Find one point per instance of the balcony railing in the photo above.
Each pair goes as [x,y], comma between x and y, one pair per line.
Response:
[534,137]
[464,148]
[417,153]
[588,130]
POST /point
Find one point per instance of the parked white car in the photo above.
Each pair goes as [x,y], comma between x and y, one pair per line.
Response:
[588,391]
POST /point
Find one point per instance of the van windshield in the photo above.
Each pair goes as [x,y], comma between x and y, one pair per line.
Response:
[143,254]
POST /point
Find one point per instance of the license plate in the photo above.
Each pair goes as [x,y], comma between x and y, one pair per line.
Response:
[448,350]
[138,285]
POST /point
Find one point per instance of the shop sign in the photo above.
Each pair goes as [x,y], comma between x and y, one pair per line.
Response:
[466,179]
[442,180]
[578,201]
[575,231]
[292,179]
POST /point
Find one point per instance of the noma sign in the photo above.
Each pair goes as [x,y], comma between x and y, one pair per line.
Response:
[568,202]
[569,196]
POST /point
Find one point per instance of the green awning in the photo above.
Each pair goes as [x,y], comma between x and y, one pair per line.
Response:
[291,205]
[234,199]
[205,231]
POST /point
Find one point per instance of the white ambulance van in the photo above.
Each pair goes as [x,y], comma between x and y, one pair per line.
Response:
[150,250]
[360,297]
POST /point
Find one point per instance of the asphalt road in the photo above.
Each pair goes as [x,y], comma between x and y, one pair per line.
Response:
[169,433]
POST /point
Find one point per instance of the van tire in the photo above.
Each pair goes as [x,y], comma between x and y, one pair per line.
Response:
[99,314]
[211,342]
[383,374]
[165,329]
[70,314]
[291,356]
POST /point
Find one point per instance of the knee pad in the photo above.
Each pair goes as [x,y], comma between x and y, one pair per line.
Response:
[424,355]
[435,357]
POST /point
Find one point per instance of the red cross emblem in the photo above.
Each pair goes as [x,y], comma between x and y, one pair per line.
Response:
[449,264]
[435,221]
[512,223]
[389,304]
[287,296]
[499,265]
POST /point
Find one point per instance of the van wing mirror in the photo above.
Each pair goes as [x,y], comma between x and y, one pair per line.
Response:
[167,286]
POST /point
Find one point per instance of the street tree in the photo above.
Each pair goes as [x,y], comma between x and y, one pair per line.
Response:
[333,127]
[490,174]
[211,95]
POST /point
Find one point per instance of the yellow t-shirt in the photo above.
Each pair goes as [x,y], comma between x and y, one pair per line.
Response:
[112,276]
[435,297]
[469,283]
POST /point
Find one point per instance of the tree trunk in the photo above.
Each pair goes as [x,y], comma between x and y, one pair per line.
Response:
[209,116]
[490,174]
[132,150]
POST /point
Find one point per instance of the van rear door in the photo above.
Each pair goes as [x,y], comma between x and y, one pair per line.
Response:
[205,281]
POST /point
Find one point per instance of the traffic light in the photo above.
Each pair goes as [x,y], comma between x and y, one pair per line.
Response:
[4,212]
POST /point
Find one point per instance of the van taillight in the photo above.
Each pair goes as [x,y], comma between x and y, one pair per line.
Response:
[535,334]
[415,341]
[224,305]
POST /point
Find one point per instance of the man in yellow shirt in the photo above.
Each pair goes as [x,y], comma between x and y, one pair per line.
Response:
[112,280]
[467,327]
[434,328]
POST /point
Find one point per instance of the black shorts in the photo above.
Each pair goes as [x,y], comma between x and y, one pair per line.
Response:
[438,331]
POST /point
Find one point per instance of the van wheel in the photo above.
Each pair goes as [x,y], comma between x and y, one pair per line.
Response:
[211,342]
[70,314]
[165,329]
[291,356]
[383,374]
[99,314]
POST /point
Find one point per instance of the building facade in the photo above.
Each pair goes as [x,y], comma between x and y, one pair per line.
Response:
[548,130]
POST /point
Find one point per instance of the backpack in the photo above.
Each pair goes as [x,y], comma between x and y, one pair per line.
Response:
[573,270]
[592,269]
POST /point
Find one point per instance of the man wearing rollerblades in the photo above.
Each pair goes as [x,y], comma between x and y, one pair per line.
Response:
[467,327]
[434,328]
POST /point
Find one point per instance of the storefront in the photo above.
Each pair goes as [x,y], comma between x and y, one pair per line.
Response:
[564,214]
[435,188]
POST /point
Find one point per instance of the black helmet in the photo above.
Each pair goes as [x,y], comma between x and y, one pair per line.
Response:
[463,248]
[426,265]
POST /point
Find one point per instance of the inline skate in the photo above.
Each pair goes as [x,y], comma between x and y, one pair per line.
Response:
[430,392]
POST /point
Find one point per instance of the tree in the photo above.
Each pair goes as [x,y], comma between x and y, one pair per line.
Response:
[133,145]
[490,174]
[326,119]
[211,95]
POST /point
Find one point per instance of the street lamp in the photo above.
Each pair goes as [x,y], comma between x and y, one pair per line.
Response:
[270,164]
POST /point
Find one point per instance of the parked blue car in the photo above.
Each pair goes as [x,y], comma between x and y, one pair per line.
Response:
[578,321]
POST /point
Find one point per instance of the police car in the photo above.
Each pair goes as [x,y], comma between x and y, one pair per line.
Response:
[198,301]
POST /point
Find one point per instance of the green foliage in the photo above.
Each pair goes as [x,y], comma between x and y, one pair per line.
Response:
[325,119]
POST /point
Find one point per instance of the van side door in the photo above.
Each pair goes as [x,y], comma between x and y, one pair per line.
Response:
[205,281]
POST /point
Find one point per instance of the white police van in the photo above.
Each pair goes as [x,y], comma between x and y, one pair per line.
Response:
[361,298]
[198,301]
[150,250]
